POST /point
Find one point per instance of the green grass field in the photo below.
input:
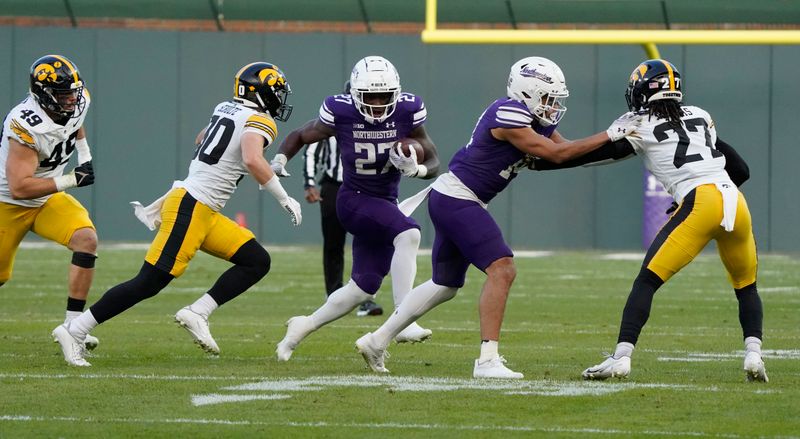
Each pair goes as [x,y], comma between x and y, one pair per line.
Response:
[149,380]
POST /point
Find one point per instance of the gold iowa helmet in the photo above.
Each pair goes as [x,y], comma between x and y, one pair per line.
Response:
[263,86]
[653,80]
[57,86]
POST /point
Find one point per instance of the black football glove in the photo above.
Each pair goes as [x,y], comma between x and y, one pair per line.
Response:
[84,174]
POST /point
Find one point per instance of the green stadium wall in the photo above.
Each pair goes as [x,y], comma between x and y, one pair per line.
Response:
[152,91]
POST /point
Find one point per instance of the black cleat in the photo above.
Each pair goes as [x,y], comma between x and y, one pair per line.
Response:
[369,308]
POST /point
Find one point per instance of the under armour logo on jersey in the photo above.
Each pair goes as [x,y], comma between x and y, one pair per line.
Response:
[390,124]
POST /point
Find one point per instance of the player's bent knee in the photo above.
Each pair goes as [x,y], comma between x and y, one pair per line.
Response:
[84,240]
[254,258]
[370,283]
[503,269]
[410,236]
[83,260]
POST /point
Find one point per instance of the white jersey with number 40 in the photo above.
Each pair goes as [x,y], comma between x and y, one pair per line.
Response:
[681,157]
[218,166]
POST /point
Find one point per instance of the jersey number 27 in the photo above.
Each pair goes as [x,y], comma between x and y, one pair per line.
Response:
[684,142]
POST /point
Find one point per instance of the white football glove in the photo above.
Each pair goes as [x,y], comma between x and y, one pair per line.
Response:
[291,206]
[624,126]
[407,166]
[278,165]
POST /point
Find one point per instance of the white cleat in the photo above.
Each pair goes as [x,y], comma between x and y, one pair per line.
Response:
[494,368]
[297,328]
[73,350]
[91,342]
[413,333]
[197,326]
[373,355]
[754,368]
[610,368]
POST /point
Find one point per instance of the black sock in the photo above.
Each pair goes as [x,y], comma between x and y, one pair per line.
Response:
[751,313]
[637,309]
[76,305]
[147,283]
[252,262]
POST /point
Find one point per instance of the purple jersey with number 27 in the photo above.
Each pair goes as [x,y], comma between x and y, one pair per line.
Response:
[367,201]
[365,146]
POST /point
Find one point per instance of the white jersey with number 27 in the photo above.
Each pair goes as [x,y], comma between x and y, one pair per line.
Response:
[681,157]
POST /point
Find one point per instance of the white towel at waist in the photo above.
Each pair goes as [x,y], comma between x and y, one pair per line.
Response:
[730,200]
[150,215]
[410,204]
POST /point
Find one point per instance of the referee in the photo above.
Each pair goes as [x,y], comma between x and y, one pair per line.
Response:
[324,158]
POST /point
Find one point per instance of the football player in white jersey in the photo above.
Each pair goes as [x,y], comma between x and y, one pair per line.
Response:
[679,145]
[189,217]
[37,140]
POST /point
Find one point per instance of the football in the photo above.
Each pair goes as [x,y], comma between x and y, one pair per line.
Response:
[406,144]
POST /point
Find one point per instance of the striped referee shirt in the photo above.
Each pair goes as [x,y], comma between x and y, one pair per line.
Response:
[324,158]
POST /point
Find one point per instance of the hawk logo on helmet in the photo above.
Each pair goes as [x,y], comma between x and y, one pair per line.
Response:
[270,77]
[45,73]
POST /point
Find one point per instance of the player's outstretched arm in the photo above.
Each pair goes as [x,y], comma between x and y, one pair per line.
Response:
[312,131]
[611,152]
[530,142]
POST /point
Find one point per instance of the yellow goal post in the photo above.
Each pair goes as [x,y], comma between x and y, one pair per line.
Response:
[647,38]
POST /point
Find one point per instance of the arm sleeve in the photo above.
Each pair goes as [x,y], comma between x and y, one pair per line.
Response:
[608,153]
[734,163]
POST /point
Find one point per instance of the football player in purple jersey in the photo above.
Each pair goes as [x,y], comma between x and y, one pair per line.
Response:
[367,122]
[509,133]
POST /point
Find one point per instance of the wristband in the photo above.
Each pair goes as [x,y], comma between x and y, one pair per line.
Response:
[274,187]
[84,154]
[65,181]
[422,171]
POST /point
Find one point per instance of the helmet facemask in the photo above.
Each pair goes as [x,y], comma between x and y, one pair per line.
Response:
[551,108]
[376,112]
[274,101]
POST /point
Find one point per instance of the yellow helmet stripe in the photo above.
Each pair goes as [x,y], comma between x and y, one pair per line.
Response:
[671,75]
[74,71]
[236,81]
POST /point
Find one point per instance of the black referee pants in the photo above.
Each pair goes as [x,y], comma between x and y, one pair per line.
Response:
[333,235]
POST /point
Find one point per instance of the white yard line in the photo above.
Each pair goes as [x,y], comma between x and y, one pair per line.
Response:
[371,426]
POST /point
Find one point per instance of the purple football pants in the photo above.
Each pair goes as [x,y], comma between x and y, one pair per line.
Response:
[465,234]
[374,223]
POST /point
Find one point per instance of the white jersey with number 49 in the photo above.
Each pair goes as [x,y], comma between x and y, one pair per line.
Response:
[681,157]
[28,124]
[218,166]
